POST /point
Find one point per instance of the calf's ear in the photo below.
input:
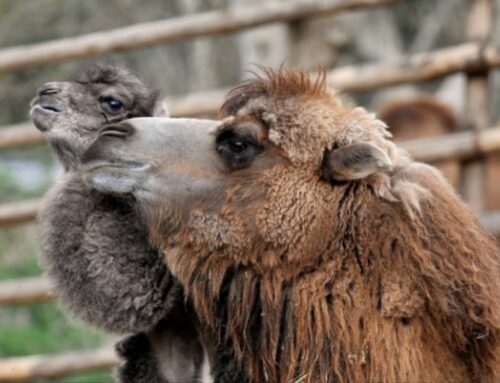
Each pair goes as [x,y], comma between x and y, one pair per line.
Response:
[161,109]
[354,162]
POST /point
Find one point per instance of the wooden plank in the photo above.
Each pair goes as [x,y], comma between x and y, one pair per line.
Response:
[173,30]
[479,26]
[415,68]
[459,146]
[19,135]
[25,290]
[16,213]
[36,367]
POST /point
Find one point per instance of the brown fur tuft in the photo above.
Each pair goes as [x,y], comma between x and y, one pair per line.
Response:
[274,83]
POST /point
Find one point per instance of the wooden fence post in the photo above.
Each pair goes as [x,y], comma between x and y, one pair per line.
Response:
[479,26]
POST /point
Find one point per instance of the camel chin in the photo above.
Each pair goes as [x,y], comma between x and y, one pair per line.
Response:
[44,117]
[115,178]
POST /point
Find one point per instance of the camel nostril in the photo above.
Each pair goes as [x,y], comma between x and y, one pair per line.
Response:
[118,130]
[48,90]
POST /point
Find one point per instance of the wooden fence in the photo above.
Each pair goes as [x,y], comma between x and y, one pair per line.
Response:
[475,58]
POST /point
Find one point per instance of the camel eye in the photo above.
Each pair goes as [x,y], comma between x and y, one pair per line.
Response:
[111,105]
[237,145]
[238,151]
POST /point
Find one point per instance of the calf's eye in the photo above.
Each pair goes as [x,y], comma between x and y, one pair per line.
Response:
[111,105]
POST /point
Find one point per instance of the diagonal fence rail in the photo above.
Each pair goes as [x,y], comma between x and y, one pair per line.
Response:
[174,30]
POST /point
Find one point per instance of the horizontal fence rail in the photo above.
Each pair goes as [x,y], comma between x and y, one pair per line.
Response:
[18,135]
[36,367]
[16,213]
[174,30]
[355,78]
[197,103]
[459,146]
[25,290]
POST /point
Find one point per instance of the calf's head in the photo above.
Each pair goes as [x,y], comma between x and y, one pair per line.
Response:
[70,114]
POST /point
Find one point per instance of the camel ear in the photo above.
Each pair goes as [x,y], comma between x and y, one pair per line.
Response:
[161,109]
[354,162]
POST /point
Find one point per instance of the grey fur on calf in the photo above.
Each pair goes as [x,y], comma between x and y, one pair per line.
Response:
[94,246]
[97,252]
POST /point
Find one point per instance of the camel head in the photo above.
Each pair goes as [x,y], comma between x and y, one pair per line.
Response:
[283,126]
[70,114]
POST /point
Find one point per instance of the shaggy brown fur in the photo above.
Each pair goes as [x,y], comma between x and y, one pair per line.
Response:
[385,279]
[423,117]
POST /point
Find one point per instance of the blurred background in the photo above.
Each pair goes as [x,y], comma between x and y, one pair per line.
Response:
[391,38]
